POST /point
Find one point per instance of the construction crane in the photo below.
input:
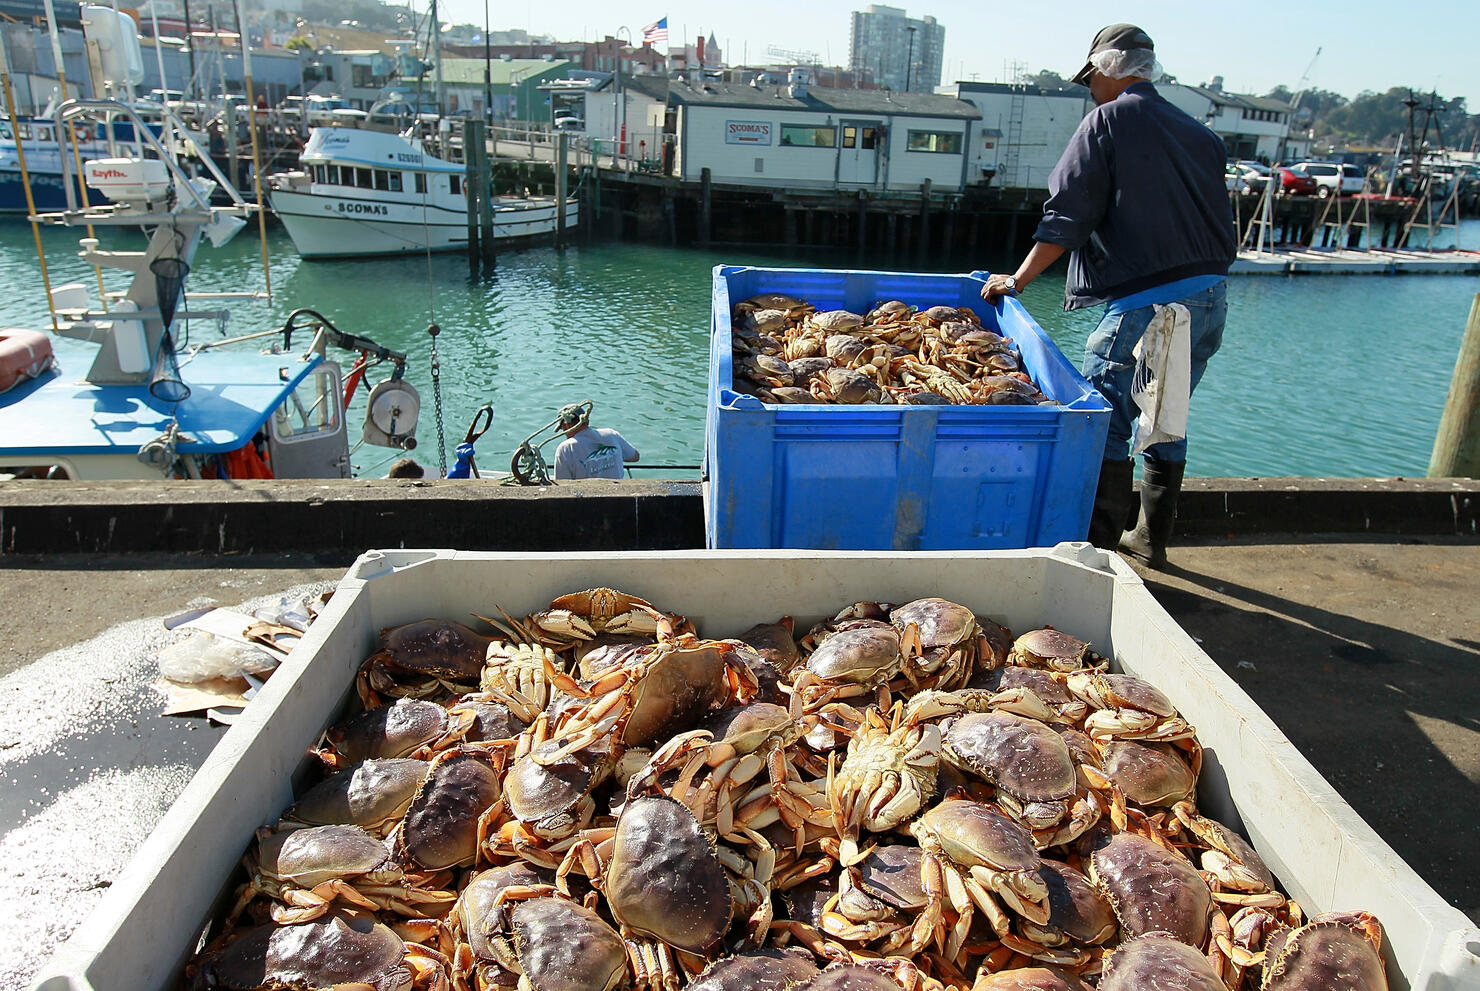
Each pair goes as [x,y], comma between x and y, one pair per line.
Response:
[1295,100]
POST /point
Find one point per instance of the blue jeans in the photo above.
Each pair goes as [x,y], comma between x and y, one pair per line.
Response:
[1110,364]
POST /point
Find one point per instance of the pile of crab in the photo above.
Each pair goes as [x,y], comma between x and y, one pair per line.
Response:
[903,797]
[785,351]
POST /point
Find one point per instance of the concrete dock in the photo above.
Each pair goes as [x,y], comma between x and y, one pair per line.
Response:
[1362,644]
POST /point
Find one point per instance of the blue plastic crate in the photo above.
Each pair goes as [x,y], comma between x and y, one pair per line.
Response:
[897,477]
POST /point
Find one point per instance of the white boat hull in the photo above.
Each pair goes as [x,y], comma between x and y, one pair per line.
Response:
[330,225]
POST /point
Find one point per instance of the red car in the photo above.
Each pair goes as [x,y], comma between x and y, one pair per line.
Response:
[1296,181]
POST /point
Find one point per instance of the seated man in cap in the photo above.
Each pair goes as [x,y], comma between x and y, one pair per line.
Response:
[587,451]
[1139,199]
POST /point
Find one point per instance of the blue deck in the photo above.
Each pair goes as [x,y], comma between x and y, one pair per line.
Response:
[232,395]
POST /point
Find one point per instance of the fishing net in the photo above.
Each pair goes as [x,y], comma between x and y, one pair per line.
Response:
[165,384]
[169,282]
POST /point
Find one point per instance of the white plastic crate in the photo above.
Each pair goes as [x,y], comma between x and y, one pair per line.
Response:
[1323,853]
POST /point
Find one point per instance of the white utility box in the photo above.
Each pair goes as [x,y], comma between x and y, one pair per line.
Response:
[129,180]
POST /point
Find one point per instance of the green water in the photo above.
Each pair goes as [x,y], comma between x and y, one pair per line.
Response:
[1318,376]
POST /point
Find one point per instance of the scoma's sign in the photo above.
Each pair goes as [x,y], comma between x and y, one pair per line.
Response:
[373,209]
[747,132]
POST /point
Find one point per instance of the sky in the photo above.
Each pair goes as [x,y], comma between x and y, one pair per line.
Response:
[1362,44]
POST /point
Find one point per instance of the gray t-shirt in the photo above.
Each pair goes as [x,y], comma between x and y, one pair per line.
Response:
[595,452]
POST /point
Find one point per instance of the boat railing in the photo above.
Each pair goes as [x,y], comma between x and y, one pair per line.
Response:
[71,110]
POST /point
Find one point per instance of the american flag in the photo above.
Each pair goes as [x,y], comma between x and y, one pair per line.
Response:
[655,32]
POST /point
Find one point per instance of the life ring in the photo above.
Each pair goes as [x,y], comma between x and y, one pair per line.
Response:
[24,354]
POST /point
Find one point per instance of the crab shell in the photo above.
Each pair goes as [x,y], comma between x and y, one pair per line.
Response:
[441,825]
[748,728]
[892,874]
[847,977]
[775,641]
[1076,907]
[373,795]
[835,321]
[862,655]
[434,647]
[1049,648]
[1158,960]
[307,857]
[490,720]
[554,797]
[941,623]
[1038,681]
[564,946]
[393,730]
[1029,979]
[1150,774]
[680,685]
[1021,756]
[1120,691]
[1234,846]
[1334,950]
[338,949]
[973,834]
[479,919]
[1151,888]
[664,879]
[767,675]
[755,970]
[851,387]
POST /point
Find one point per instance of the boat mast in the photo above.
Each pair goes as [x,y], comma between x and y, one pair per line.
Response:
[436,29]
[20,156]
[241,31]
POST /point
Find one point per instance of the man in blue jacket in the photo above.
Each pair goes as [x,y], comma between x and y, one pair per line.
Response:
[1139,200]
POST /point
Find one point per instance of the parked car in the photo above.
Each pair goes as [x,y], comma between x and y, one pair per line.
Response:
[573,125]
[1255,174]
[1333,178]
[1233,179]
[1295,181]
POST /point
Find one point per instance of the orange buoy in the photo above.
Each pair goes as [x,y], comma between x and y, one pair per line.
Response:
[24,354]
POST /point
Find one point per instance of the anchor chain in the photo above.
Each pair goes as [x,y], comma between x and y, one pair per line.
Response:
[434,330]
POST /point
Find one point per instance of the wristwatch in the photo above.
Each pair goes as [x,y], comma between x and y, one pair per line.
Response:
[1010,283]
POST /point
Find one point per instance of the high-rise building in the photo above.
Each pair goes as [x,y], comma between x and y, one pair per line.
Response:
[903,53]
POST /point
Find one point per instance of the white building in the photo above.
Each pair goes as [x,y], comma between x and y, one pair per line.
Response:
[821,138]
[1024,130]
[646,100]
[1253,127]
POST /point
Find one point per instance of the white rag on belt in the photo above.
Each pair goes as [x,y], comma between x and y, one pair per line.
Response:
[1163,380]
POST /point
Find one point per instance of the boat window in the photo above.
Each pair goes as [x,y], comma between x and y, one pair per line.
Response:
[455,184]
[395,182]
[332,175]
[363,179]
[382,179]
[421,181]
[310,409]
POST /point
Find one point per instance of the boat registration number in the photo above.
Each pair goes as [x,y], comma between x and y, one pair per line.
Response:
[376,209]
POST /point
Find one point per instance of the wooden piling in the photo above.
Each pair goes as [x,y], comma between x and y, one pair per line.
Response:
[948,238]
[922,244]
[706,206]
[862,221]
[1457,444]
[477,140]
[562,151]
[809,220]
[891,232]
[470,195]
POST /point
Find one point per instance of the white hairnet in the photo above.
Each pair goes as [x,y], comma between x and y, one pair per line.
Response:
[1116,64]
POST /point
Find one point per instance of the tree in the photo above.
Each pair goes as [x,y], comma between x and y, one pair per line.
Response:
[298,43]
[1045,79]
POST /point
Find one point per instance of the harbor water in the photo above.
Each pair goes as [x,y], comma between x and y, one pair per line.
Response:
[1336,376]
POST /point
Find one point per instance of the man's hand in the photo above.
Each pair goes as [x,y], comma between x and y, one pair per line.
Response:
[995,288]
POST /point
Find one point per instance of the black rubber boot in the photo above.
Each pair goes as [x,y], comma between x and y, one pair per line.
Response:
[1112,503]
[1161,484]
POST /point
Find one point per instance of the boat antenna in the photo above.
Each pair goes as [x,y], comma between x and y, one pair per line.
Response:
[246,44]
[56,54]
[20,156]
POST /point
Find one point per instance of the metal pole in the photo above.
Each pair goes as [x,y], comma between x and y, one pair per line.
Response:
[561,144]
[910,59]
[470,190]
[190,51]
[20,157]
[487,68]
[1457,444]
[256,153]
[485,197]
[437,54]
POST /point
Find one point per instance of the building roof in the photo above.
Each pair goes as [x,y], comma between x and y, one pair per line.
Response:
[650,86]
[469,71]
[1069,92]
[1239,100]
[822,99]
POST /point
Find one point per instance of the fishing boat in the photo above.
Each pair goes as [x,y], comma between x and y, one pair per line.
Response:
[116,391]
[43,162]
[363,192]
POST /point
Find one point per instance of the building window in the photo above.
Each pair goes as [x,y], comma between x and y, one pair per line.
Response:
[850,136]
[421,181]
[361,77]
[942,142]
[868,139]
[808,136]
